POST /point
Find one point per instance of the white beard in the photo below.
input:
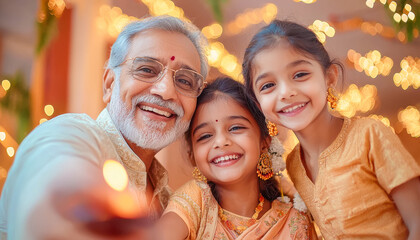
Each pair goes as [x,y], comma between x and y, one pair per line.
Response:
[151,135]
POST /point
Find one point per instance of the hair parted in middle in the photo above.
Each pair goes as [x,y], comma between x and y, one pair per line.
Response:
[227,87]
[302,39]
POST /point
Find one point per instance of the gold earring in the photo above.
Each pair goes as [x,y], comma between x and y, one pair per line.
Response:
[197,175]
[331,98]
[264,167]
[272,129]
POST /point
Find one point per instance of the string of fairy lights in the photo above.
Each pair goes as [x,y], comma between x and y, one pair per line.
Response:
[352,101]
[6,140]
[322,30]
[409,74]
[251,17]
[405,15]
[372,64]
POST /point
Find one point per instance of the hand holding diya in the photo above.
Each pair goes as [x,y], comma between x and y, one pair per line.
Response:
[108,208]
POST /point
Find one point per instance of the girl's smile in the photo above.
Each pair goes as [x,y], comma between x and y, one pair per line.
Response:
[290,87]
[226,141]
[293,109]
[226,159]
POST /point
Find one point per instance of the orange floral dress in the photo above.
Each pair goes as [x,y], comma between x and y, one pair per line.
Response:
[195,204]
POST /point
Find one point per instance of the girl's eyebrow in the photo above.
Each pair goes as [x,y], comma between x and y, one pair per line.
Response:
[261,76]
[229,118]
[298,62]
[199,127]
[239,117]
[292,64]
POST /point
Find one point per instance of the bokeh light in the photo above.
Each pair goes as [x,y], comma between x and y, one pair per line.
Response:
[213,31]
[251,17]
[10,151]
[321,30]
[306,1]
[373,63]
[5,84]
[49,110]
[115,175]
[410,118]
[355,100]
[2,136]
[409,74]
[112,20]
[42,120]
[225,62]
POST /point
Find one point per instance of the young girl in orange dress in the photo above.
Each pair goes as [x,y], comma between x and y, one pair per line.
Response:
[354,175]
[234,195]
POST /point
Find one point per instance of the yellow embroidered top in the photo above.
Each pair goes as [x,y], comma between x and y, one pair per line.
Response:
[350,197]
[195,204]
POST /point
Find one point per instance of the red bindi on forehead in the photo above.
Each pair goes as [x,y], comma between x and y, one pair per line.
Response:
[172,58]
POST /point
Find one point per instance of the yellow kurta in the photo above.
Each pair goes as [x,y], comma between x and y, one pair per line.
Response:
[350,197]
[195,204]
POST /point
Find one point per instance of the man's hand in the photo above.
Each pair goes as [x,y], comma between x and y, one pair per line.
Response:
[83,206]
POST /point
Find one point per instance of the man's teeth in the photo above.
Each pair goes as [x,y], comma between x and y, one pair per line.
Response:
[225,158]
[157,111]
[293,108]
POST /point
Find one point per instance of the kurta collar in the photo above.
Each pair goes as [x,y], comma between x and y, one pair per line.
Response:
[135,167]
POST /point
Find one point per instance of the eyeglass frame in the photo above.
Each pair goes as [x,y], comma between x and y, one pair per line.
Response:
[164,71]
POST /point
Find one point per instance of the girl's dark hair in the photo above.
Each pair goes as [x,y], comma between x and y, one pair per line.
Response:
[299,37]
[226,87]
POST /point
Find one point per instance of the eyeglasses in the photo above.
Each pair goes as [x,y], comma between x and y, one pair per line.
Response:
[187,82]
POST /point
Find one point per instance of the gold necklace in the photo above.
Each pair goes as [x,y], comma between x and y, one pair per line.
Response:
[241,228]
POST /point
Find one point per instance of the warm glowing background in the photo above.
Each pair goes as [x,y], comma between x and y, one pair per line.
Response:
[40,81]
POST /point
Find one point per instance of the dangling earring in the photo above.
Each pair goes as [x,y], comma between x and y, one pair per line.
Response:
[264,169]
[331,98]
[197,175]
[276,151]
[272,129]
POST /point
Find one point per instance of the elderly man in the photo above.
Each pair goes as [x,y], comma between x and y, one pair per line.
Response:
[155,72]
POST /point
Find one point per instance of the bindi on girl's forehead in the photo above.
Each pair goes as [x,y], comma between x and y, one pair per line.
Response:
[217,120]
[172,58]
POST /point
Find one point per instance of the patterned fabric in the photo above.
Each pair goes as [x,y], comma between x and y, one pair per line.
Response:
[70,139]
[195,204]
[350,197]
[135,167]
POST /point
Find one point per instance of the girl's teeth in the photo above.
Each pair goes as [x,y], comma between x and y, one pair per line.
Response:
[225,158]
[293,108]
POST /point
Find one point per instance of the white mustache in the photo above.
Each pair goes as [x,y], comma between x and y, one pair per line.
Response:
[160,102]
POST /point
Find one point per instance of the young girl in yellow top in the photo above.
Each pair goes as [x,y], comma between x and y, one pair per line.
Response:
[354,175]
[228,199]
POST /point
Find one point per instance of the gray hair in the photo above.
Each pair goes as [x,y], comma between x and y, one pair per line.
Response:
[120,48]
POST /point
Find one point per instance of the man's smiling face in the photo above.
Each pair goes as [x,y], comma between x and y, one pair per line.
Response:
[152,115]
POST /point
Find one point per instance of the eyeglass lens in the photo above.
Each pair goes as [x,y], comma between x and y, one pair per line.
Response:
[149,70]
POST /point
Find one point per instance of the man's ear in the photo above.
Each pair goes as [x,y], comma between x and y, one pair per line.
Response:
[332,76]
[108,85]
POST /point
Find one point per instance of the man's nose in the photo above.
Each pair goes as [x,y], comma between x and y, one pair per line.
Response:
[164,86]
